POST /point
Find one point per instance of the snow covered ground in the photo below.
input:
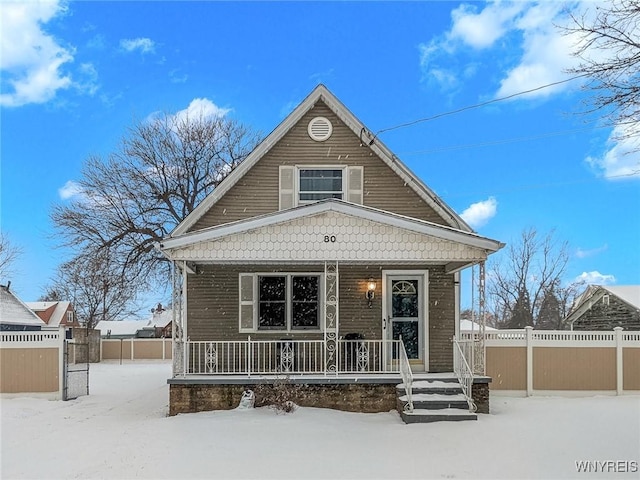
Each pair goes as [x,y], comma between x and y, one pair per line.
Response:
[121,431]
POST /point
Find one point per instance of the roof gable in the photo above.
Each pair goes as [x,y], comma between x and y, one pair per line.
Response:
[14,311]
[322,94]
[628,294]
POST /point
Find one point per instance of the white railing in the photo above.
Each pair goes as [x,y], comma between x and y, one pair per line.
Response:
[295,357]
[33,339]
[407,376]
[462,353]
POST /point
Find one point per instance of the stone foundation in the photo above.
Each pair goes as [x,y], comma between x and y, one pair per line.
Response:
[480,394]
[350,397]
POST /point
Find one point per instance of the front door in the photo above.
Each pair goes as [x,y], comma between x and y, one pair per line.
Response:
[405,314]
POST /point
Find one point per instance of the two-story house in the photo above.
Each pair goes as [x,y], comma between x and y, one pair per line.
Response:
[323,258]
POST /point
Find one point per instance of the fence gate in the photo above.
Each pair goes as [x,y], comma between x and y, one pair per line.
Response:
[76,370]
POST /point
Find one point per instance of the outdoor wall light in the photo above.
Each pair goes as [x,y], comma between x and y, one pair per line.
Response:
[371,290]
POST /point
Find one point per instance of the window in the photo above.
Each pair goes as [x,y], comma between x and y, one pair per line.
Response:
[282,302]
[69,317]
[320,183]
[272,303]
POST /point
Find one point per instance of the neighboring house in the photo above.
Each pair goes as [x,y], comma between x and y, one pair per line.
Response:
[315,256]
[160,323]
[121,329]
[55,314]
[471,326]
[606,307]
[15,315]
[157,326]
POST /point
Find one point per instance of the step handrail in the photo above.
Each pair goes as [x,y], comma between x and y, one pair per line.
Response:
[464,373]
[406,374]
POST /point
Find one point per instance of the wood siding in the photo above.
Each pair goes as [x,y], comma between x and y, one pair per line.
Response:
[212,297]
[257,192]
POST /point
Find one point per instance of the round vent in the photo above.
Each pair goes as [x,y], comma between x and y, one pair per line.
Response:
[320,129]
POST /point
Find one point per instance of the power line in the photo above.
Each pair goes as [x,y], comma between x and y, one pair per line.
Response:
[521,188]
[500,142]
[477,105]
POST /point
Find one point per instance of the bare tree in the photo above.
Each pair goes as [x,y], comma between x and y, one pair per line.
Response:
[95,286]
[135,197]
[8,255]
[608,46]
[525,288]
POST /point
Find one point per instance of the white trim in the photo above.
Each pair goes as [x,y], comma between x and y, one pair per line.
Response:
[339,206]
[321,93]
[387,327]
[296,193]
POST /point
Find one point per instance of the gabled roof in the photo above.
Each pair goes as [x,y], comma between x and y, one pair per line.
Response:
[629,294]
[333,205]
[58,313]
[125,327]
[13,311]
[321,93]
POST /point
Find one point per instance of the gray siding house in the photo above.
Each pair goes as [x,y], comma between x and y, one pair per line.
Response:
[320,257]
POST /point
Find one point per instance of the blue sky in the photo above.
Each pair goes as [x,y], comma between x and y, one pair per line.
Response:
[76,75]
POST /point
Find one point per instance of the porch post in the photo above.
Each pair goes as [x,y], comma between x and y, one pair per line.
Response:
[480,363]
[331,317]
[177,340]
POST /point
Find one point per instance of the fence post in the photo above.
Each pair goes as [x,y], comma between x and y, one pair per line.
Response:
[529,335]
[61,360]
[619,365]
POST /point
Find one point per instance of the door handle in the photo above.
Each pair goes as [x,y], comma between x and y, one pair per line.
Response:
[384,323]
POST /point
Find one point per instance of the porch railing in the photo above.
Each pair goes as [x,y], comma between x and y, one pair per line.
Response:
[463,353]
[295,357]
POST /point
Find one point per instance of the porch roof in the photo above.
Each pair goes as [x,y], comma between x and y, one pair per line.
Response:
[331,230]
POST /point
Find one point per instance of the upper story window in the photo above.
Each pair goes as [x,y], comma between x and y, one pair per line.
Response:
[304,184]
[319,183]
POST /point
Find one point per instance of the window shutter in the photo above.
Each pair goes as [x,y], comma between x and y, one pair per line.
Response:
[287,187]
[355,184]
[246,306]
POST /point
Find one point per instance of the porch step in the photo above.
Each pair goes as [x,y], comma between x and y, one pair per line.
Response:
[434,401]
[438,386]
[425,415]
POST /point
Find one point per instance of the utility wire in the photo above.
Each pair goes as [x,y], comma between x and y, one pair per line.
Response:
[477,105]
[521,188]
[500,142]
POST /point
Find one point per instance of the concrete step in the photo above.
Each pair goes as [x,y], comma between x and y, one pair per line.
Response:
[425,415]
[434,401]
[439,386]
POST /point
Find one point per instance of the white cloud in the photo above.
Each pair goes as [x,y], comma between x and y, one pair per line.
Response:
[482,29]
[69,190]
[478,214]
[582,253]
[144,45]
[595,278]
[622,158]
[31,60]
[201,108]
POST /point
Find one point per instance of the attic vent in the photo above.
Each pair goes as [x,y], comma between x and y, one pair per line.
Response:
[320,129]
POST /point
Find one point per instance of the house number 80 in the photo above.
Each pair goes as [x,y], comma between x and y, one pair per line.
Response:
[329,238]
